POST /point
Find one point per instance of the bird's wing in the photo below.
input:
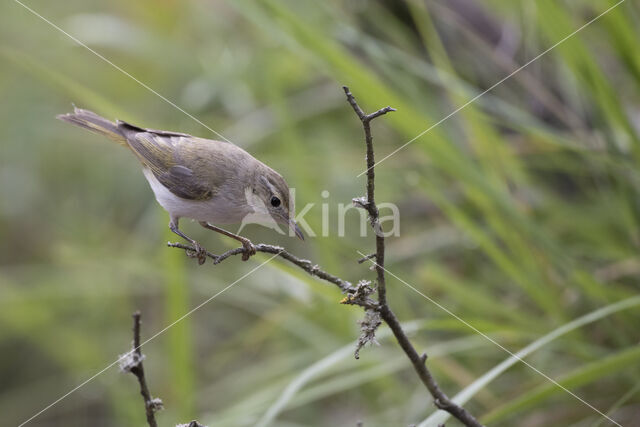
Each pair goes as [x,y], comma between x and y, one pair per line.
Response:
[184,164]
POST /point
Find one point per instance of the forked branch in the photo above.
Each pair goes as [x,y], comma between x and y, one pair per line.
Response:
[440,399]
[359,294]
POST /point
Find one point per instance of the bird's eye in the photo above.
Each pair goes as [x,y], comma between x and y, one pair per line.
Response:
[275,202]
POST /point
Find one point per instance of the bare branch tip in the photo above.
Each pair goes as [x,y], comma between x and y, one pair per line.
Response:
[366,258]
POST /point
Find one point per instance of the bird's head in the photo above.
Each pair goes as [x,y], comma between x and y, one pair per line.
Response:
[272,194]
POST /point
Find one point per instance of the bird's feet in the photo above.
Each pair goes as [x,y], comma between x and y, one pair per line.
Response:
[249,249]
[199,253]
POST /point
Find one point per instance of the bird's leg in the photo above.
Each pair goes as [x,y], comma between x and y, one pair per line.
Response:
[249,249]
[200,252]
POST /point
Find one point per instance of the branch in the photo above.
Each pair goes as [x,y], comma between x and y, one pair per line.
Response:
[369,203]
[132,362]
[306,265]
[440,399]
[359,294]
[366,258]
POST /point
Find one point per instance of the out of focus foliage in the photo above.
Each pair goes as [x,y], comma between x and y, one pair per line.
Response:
[519,213]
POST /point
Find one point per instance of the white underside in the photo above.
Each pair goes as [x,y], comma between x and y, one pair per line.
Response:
[213,210]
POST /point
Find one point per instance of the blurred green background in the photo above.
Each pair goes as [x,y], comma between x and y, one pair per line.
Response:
[519,214]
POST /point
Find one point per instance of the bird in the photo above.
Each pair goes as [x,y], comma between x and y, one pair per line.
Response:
[209,181]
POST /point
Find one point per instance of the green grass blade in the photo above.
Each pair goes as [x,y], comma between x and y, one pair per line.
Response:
[439,417]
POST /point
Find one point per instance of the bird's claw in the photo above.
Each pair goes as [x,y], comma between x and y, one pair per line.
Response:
[249,250]
[198,252]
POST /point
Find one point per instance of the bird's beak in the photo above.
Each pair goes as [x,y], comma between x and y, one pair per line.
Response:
[294,227]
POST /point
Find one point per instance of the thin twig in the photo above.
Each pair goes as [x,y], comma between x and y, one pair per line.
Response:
[441,400]
[366,258]
[151,405]
[304,264]
[370,203]
[132,362]
[358,295]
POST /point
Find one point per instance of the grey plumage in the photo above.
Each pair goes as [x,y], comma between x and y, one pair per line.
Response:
[202,179]
[190,167]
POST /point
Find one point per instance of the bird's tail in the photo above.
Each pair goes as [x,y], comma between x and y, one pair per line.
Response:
[93,122]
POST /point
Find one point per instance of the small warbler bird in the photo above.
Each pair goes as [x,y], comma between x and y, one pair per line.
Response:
[202,179]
